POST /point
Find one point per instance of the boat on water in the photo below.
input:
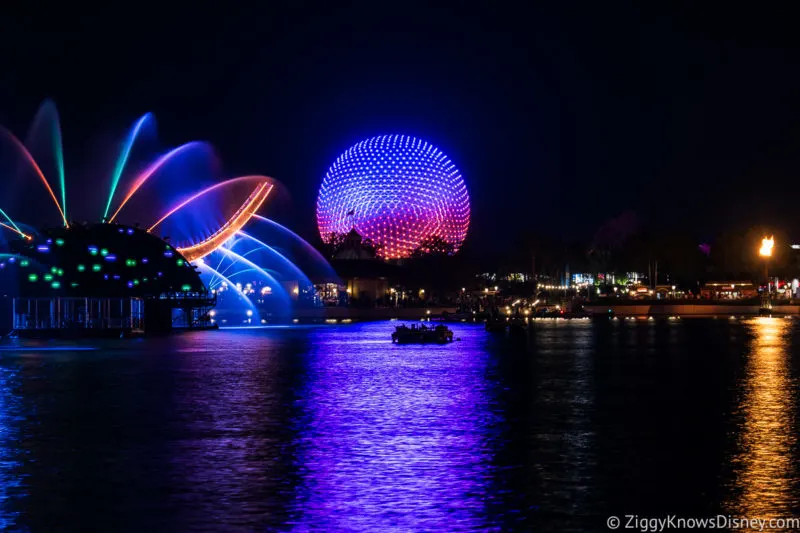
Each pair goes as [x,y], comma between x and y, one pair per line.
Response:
[422,334]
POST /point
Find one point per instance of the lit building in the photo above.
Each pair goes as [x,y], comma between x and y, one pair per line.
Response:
[728,290]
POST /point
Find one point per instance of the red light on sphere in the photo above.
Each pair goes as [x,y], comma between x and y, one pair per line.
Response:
[395,190]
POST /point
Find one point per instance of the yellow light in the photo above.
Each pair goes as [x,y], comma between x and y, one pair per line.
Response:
[766,246]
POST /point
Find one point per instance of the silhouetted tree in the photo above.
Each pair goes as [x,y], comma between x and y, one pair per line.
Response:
[433,246]
[335,242]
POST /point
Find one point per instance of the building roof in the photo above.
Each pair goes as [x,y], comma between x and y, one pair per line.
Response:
[727,284]
[353,247]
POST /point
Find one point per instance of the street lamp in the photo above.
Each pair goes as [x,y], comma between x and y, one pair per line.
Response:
[767,244]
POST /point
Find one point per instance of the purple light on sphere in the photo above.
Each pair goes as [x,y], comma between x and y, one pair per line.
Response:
[395,190]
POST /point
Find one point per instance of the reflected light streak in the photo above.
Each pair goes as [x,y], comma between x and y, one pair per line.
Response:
[10,415]
[393,443]
[152,169]
[27,155]
[233,225]
[123,158]
[764,467]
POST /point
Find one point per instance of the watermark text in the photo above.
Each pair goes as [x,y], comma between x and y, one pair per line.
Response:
[665,523]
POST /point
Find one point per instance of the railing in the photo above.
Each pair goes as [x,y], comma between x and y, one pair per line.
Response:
[203,296]
[22,322]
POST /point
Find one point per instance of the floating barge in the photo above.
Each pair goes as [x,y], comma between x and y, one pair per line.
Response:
[440,334]
[105,280]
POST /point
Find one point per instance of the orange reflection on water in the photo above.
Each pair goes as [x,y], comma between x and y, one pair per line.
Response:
[763,461]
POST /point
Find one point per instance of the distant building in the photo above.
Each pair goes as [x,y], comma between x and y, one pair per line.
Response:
[728,290]
[364,278]
[353,248]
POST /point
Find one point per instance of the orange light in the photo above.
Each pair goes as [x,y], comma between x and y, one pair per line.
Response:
[148,172]
[766,246]
[18,232]
[233,225]
[32,161]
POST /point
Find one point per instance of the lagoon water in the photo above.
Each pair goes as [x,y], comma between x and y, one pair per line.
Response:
[333,428]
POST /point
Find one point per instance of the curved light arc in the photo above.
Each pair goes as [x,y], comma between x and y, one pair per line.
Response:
[152,169]
[21,147]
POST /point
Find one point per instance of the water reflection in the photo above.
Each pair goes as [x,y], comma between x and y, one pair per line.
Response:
[564,435]
[9,447]
[763,466]
[231,419]
[336,429]
[395,438]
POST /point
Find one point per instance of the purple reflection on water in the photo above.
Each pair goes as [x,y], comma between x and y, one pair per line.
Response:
[394,438]
[10,453]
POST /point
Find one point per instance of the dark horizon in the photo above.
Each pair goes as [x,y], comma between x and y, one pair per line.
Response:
[558,118]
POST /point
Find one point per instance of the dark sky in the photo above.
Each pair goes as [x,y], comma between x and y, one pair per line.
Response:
[558,115]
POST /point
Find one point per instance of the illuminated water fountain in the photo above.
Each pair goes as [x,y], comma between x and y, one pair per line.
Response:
[178,195]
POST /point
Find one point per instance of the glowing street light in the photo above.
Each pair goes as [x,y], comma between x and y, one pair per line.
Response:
[766,247]
[767,243]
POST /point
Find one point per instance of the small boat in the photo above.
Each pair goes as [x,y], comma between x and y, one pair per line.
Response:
[440,334]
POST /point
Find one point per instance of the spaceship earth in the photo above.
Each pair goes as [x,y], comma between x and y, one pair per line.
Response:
[396,190]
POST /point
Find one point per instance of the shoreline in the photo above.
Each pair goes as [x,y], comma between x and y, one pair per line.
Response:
[684,309]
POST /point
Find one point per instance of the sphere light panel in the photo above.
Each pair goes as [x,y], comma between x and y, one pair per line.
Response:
[396,190]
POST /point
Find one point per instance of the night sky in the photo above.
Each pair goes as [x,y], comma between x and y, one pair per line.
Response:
[559,117]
